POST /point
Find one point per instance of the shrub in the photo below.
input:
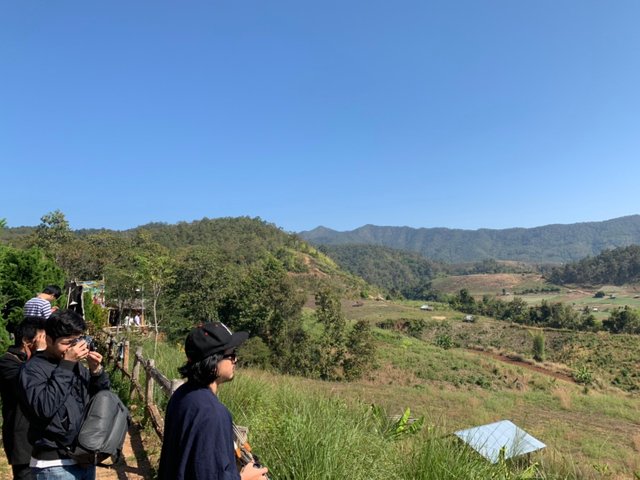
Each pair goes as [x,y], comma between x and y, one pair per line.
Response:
[397,427]
[444,341]
[388,324]
[416,327]
[254,352]
[95,315]
[538,347]
[583,375]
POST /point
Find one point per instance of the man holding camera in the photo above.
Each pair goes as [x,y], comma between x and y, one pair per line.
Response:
[55,387]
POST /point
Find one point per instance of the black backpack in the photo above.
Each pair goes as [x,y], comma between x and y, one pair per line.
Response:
[104,426]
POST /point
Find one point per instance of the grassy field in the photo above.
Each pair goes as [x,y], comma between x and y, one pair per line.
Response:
[309,429]
[612,359]
[312,429]
[578,296]
[443,384]
[491,284]
[324,430]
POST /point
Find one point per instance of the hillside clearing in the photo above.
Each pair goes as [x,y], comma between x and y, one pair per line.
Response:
[485,283]
[495,380]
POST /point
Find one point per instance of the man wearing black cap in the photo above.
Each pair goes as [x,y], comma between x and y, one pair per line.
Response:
[198,430]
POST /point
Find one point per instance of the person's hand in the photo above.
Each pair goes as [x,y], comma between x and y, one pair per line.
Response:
[40,340]
[94,360]
[54,309]
[250,472]
[76,352]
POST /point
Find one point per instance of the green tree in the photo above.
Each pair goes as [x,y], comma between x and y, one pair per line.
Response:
[333,340]
[517,310]
[53,233]
[267,304]
[204,282]
[464,302]
[24,273]
[155,270]
[623,320]
[120,285]
[86,257]
[360,350]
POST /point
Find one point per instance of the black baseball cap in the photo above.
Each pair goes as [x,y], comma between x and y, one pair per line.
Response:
[210,338]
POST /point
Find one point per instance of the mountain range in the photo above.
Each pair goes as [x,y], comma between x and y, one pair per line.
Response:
[549,244]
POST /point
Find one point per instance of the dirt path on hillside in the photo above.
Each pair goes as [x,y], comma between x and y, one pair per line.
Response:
[528,366]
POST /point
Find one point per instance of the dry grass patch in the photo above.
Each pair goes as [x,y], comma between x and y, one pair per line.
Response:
[563,396]
[391,375]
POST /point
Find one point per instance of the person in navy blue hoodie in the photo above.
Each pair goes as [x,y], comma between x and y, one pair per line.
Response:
[198,429]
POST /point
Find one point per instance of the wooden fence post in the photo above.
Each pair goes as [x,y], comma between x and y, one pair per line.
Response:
[117,360]
[135,376]
[110,349]
[125,357]
[136,365]
[149,391]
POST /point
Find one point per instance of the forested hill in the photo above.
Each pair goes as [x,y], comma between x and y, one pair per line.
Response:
[399,272]
[617,267]
[233,234]
[235,241]
[240,237]
[546,244]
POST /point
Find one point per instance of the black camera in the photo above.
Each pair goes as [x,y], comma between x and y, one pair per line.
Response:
[91,343]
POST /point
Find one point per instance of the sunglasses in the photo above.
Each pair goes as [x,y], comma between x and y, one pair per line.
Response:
[233,356]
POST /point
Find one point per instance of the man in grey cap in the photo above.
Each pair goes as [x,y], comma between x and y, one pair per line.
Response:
[198,430]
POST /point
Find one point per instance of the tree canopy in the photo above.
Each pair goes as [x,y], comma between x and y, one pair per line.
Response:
[617,267]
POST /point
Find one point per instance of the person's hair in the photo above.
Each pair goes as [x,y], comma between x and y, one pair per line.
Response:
[64,323]
[52,290]
[202,373]
[27,329]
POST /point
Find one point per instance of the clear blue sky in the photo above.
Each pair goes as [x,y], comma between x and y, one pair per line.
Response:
[449,113]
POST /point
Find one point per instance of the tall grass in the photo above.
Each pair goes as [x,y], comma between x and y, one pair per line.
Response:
[301,434]
[302,431]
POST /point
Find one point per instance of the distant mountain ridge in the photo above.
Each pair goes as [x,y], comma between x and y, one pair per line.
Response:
[558,243]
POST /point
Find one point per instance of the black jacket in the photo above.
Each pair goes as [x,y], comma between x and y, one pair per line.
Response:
[56,393]
[15,424]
